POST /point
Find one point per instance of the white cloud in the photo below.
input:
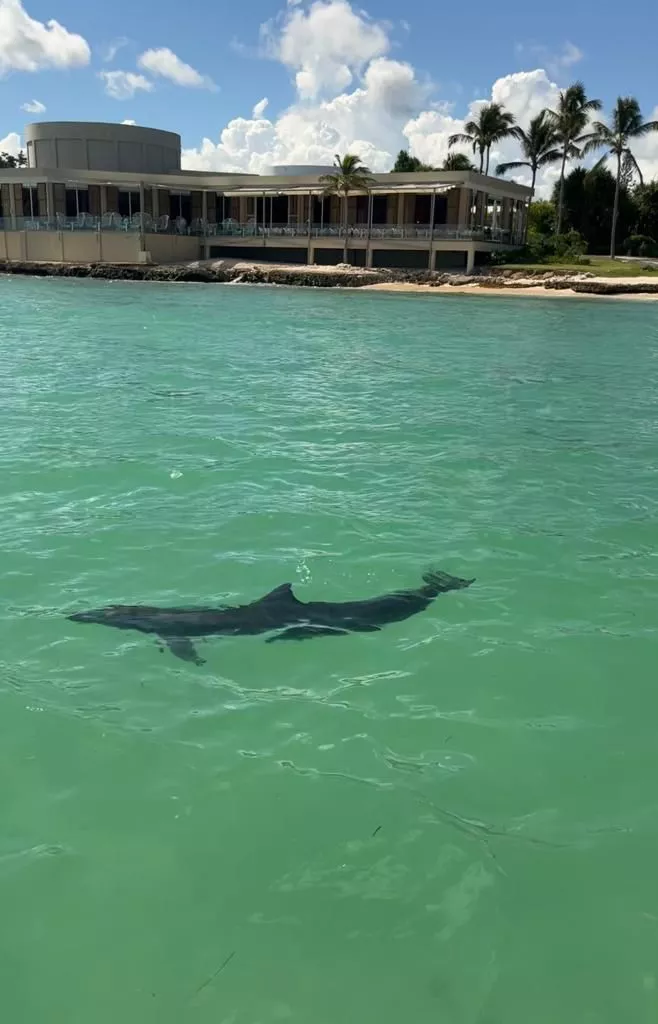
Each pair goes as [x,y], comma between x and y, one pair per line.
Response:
[385,108]
[367,120]
[325,45]
[261,106]
[11,144]
[30,45]
[113,48]
[166,64]
[129,121]
[122,85]
[556,62]
[570,55]
[34,107]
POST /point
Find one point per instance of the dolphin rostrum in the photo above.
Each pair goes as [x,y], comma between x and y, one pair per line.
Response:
[278,611]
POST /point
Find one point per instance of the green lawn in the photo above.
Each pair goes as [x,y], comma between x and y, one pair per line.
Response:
[602,266]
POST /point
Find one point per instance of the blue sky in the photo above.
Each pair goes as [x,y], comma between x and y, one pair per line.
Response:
[456,53]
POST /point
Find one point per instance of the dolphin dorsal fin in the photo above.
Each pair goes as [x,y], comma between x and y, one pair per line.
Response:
[284,591]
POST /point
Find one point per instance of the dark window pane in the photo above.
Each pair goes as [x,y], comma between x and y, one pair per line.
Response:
[71,208]
[379,209]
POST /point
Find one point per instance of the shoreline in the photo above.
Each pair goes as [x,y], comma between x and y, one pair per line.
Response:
[526,291]
[548,284]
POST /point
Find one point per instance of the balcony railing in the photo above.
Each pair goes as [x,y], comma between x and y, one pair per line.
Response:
[406,232]
[108,222]
[145,223]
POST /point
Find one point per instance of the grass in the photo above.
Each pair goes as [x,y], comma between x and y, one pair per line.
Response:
[601,266]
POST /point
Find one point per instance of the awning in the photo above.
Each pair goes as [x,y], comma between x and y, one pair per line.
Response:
[426,188]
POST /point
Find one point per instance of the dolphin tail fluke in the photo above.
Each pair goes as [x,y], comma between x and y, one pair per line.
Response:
[438,582]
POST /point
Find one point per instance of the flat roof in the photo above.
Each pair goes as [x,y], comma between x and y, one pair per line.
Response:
[240,184]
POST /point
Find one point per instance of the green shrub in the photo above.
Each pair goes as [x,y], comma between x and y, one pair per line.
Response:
[568,248]
[640,245]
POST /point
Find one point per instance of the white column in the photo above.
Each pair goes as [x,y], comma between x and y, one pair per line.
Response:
[12,206]
[401,199]
[431,247]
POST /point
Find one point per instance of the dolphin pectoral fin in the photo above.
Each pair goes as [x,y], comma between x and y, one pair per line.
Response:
[306,633]
[184,649]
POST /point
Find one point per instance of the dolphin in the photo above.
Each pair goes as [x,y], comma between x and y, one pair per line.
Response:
[278,612]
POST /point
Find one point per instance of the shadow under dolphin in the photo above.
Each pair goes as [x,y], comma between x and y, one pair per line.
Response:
[278,612]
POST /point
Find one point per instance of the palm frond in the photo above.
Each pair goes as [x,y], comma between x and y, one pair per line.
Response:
[646,128]
[550,156]
[459,138]
[635,165]
[512,165]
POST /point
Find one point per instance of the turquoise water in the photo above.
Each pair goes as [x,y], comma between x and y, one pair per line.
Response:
[452,820]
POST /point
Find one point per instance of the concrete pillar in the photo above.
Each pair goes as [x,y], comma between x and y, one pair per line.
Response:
[481,209]
[465,201]
[242,203]
[401,199]
[506,220]
[50,201]
[156,203]
[12,206]
[430,258]
[470,259]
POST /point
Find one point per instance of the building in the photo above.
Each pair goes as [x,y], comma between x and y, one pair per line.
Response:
[117,194]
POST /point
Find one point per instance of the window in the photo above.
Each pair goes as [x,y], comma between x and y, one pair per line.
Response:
[77,201]
[128,203]
[181,206]
[30,201]
[423,209]
[380,209]
[279,211]
[362,205]
[320,210]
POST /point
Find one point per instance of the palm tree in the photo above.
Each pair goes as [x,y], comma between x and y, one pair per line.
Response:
[406,163]
[349,175]
[539,146]
[570,121]
[457,162]
[492,124]
[627,124]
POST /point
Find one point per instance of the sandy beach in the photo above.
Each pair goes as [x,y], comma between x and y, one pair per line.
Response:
[524,291]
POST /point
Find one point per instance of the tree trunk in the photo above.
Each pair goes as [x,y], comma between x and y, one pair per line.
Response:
[486,169]
[481,159]
[345,228]
[527,213]
[615,211]
[560,204]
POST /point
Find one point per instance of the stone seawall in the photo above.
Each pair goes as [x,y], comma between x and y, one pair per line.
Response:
[225,272]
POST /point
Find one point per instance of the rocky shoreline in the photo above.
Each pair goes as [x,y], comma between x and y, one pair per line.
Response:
[342,276]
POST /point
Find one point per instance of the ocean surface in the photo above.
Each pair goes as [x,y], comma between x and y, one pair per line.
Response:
[453,820]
